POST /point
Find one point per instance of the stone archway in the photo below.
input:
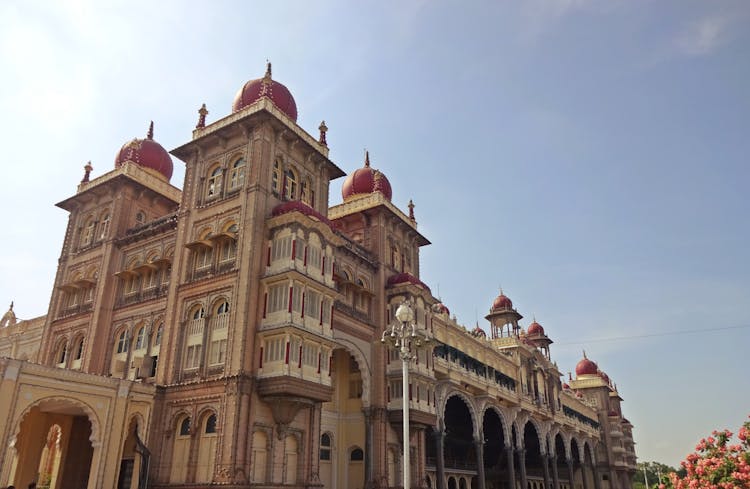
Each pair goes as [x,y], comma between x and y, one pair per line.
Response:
[76,440]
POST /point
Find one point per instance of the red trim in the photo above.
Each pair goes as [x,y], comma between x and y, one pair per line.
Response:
[323,265]
[321,313]
[388,392]
[417,393]
[286,356]
[268,257]
[294,248]
[304,257]
[299,363]
[330,364]
[261,358]
[318,362]
[290,298]
[303,304]
[410,391]
[265,304]
[331,316]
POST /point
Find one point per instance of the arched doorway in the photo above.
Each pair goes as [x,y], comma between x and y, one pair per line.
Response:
[459,451]
[575,456]
[561,465]
[495,455]
[53,447]
[534,467]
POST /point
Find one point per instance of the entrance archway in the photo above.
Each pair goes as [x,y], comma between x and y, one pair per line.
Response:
[52,445]
[459,450]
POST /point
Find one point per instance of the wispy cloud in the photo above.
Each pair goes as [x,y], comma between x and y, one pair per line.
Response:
[704,36]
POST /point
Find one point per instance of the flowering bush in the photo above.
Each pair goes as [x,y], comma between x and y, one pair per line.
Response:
[716,463]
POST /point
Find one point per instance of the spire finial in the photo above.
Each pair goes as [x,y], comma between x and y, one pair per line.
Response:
[86,173]
[570,376]
[323,129]
[411,210]
[11,305]
[584,354]
[367,158]
[202,112]
[533,318]
[268,68]
[150,134]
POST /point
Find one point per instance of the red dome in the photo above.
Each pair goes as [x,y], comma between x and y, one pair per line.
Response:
[535,329]
[502,303]
[403,278]
[366,180]
[296,205]
[441,308]
[146,153]
[586,367]
[254,90]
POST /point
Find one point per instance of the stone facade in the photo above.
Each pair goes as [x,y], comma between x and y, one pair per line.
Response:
[229,334]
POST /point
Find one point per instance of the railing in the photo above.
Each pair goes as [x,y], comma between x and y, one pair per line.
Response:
[195,326]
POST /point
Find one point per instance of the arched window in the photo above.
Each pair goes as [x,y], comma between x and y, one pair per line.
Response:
[223,308]
[325,446]
[140,341]
[61,353]
[211,424]
[185,427]
[290,184]
[104,226]
[122,342]
[140,218]
[159,334]
[219,324]
[237,175]
[78,351]
[357,455]
[276,177]
[199,313]
[87,233]
[259,457]
[307,194]
[213,186]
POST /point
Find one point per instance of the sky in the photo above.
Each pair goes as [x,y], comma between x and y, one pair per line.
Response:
[589,157]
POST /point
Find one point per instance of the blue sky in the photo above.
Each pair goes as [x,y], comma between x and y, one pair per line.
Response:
[590,157]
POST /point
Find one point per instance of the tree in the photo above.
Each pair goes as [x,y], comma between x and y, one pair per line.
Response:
[653,470]
[716,463]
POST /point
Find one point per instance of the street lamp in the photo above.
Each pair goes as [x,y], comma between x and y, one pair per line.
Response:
[407,338]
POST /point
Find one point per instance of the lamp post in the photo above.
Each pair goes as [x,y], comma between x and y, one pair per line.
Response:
[407,338]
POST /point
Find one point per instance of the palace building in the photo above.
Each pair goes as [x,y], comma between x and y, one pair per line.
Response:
[228,334]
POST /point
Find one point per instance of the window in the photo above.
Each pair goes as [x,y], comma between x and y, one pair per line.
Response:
[277,298]
[62,353]
[122,342]
[227,250]
[325,446]
[87,234]
[237,175]
[185,427]
[211,424]
[140,341]
[223,308]
[159,334]
[297,298]
[150,280]
[78,352]
[193,357]
[203,257]
[275,177]
[213,187]
[281,248]
[218,352]
[140,218]
[273,350]
[307,194]
[357,455]
[104,226]
[290,184]
[312,304]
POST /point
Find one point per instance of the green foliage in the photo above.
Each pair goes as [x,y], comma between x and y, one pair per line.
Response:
[653,469]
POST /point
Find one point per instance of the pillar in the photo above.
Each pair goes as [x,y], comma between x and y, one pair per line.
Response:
[595,474]
[545,467]
[511,469]
[369,452]
[522,466]
[583,476]
[555,475]
[479,445]
[570,473]
[440,462]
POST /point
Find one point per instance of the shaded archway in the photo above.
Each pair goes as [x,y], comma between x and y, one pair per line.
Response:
[535,475]
[458,448]
[574,467]
[52,445]
[560,467]
[495,450]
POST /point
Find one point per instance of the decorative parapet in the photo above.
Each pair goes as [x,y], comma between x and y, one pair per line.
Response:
[142,176]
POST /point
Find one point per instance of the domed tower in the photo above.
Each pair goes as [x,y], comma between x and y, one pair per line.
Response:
[503,318]
[366,181]
[256,89]
[535,334]
[148,154]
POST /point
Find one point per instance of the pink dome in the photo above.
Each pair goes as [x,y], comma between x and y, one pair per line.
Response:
[146,153]
[366,180]
[535,329]
[254,90]
[586,367]
[501,303]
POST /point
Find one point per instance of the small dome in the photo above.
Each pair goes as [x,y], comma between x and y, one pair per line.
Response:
[146,153]
[366,180]
[441,308]
[478,332]
[502,303]
[535,329]
[254,90]
[405,278]
[586,367]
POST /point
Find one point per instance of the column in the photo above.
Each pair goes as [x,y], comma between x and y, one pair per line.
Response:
[545,467]
[479,445]
[369,452]
[555,475]
[511,469]
[570,473]
[522,466]
[583,476]
[440,462]
[594,472]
